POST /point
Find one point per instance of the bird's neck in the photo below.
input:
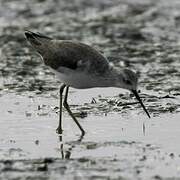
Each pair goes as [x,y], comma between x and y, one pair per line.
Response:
[111,78]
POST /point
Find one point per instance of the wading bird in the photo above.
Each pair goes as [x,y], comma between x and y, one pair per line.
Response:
[80,66]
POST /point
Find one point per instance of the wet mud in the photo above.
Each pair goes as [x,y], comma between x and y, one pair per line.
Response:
[121,142]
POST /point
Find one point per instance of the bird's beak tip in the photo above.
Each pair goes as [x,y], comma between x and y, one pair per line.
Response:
[139,99]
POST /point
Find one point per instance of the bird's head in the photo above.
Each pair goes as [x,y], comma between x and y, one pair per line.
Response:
[129,80]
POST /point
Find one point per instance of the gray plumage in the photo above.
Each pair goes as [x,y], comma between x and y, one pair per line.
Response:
[69,54]
[80,66]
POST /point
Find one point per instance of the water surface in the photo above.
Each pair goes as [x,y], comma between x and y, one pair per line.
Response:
[121,141]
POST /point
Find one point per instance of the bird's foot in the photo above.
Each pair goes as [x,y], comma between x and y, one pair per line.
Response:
[59,130]
[82,133]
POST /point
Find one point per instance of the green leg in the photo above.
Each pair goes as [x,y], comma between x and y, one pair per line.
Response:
[66,105]
[59,129]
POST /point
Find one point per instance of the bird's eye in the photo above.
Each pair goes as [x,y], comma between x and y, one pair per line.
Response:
[127,81]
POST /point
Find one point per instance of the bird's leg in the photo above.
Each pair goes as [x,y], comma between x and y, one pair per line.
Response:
[66,105]
[59,129]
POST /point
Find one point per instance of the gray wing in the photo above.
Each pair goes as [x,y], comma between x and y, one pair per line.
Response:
[75,56]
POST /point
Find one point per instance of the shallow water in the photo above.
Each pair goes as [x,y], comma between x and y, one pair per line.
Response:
[121,142]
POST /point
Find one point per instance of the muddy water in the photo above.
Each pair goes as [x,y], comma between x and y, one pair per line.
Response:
[121,142]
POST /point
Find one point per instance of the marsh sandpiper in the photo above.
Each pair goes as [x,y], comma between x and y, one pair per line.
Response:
[80,66]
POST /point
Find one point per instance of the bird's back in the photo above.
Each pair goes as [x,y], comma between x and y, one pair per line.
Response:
[69,54]
[74,55]
[76,64]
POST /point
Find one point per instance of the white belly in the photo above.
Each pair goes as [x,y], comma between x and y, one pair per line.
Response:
[76,79]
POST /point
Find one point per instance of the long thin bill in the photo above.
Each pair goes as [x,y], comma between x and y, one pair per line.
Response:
[138,98]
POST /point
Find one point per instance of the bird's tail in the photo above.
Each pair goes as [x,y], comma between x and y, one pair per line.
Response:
[36,39]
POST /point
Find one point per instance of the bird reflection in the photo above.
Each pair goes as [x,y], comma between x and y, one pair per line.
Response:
[67,154]
[144,129]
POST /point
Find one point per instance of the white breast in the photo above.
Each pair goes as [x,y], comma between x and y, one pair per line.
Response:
[73,78]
